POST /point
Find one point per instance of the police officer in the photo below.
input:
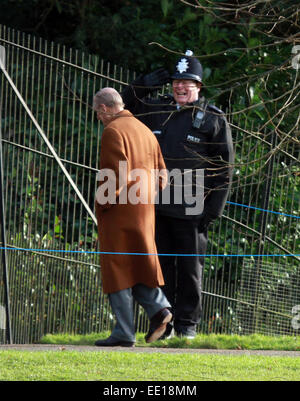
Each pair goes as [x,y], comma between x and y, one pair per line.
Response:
[194,137]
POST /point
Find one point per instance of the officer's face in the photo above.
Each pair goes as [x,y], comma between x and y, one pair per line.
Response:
[185,91]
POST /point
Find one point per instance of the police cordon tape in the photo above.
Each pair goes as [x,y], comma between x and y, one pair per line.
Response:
[167,254]
[263,210]
[144,254]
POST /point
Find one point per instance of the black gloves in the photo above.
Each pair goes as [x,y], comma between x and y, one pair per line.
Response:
[159,77]
[205,221]
[144,85]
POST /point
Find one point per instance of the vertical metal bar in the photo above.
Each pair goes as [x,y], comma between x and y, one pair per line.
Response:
[50,147]
[264,221]
[4,254]
[3,236]
[13,165]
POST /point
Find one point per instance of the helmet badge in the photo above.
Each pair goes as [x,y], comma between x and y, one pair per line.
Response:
[182,65]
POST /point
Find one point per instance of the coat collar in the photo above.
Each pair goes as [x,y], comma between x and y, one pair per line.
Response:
[123,113]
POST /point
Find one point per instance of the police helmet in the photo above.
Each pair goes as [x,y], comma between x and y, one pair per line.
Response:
[188,67]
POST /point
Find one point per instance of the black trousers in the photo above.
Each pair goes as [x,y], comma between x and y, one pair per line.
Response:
[182,274]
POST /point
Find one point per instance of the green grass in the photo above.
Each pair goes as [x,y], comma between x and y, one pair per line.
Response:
[129,366]
[64,365]
[211,341]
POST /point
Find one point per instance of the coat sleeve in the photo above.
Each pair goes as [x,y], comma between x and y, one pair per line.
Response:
[133,94]
[219,176]
[138,102]
[163,176]
[112,177]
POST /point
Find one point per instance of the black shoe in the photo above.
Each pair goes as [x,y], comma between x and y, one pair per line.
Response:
[169,333]
[158,325]
[114,342]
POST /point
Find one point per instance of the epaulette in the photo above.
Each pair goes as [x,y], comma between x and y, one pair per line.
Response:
[215,108]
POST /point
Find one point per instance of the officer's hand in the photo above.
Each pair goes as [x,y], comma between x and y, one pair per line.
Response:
[159,77]
[205,221]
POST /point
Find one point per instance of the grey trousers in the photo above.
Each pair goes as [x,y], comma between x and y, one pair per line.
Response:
[151,299]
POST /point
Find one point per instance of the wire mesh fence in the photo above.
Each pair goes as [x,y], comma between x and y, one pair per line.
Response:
[55,280]
[267,297]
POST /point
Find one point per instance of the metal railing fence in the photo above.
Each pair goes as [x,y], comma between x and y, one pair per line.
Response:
[53,275]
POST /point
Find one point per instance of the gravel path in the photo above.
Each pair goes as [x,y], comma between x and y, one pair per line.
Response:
[80,348]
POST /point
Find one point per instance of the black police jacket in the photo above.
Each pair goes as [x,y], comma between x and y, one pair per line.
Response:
[193,144]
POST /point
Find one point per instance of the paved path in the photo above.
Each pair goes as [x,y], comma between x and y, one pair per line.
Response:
[80,348]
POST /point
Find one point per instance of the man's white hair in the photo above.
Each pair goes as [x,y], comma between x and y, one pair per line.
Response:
[109,97]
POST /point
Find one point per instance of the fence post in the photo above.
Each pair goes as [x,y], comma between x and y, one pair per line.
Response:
[3,226]
[263,227]
[3,253]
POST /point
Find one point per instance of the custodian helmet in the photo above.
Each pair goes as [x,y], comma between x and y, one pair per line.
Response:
[188,67]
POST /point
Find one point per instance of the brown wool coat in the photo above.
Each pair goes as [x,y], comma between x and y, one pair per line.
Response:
[129,228]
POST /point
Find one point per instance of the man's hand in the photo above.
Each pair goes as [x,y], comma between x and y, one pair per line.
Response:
[205,221]
[159,77]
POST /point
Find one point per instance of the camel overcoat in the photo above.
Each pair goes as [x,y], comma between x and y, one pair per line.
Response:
[126,220]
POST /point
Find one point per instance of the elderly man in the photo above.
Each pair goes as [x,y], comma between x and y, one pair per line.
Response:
[193,135]
[125,213]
